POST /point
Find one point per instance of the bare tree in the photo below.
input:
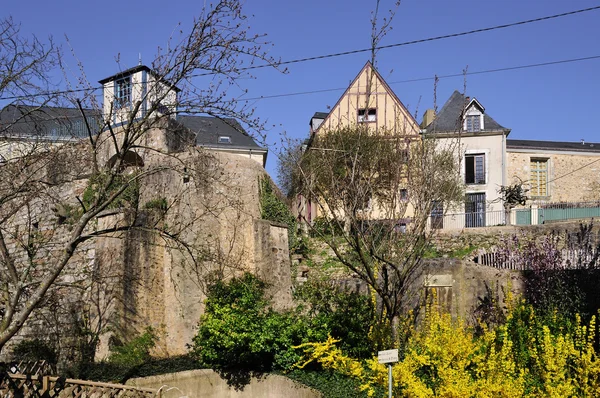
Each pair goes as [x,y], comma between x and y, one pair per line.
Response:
[38,247]
[375,192]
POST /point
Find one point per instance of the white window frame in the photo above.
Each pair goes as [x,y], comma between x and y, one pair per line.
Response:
[475,155]
[470,113]
[366,115]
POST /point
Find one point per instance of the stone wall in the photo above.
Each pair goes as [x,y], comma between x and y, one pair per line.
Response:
[206,383]
[571,177]
[197,218]
[460,286]
[214,215]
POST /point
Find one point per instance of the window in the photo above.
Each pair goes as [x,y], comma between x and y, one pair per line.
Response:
[123,91]
[404,155]
[473,123]
[404,194]
[475,169]
[437,215]
[538,177]
[367,115]
[400,227]
[475,210]
[224,139]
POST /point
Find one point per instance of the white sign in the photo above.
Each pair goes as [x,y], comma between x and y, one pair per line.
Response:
[388,356]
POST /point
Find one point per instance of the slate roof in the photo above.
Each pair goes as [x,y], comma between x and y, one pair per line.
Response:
[47,123]
[553,145]
[208,129]
[320,115]
[448,119]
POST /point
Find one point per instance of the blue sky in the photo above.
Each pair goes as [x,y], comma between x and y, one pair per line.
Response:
[558,102]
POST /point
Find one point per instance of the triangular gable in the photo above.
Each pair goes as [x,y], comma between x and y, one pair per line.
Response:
[476,103]
[369,90]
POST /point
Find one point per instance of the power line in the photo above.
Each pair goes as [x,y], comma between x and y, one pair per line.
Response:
[508,68]
[418,41]
[339,54]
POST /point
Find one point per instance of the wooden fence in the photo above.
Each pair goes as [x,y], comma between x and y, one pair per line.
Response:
[16,385]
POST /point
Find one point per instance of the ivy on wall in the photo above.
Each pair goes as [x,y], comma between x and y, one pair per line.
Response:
[273,208]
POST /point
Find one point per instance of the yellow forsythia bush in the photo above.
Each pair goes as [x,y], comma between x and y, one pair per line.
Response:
[444,358]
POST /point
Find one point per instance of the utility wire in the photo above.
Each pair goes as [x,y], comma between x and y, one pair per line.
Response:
[418,41]
[339,54]
[508,68]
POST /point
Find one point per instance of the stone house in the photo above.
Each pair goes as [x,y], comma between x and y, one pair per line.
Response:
[480,145]
[557,175]
[200,186]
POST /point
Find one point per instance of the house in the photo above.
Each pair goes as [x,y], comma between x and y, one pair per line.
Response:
[25,129]
[552,172]
[480,143]
[367,102]
[562,179]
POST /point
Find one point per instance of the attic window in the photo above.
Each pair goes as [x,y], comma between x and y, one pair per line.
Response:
[224,139]
[367,115]
[473,123]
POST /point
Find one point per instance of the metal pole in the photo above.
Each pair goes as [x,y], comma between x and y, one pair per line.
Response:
[390,380]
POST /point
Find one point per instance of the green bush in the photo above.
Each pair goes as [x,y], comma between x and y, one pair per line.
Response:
[346,316]
[135,352]
[128,198]
[239,330]
[322,226]
[158,203]
[34,350]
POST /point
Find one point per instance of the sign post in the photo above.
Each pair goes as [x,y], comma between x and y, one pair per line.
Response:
[389,357]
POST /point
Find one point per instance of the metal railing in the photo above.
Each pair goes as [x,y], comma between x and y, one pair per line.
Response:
[468,220]
[570,259]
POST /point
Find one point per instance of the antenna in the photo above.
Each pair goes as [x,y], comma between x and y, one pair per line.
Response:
[140,59]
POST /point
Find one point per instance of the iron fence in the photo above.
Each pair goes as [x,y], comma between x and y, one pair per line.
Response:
[468,220]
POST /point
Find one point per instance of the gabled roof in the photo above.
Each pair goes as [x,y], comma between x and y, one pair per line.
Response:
[208,129]
[449,119]
[47,122]
[368,65]
[553,146]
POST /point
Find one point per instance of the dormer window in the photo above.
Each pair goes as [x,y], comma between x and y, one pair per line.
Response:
[473,123]
[224,139]
[367,115]
[123,92]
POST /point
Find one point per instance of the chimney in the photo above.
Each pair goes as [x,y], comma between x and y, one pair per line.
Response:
[428,117]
